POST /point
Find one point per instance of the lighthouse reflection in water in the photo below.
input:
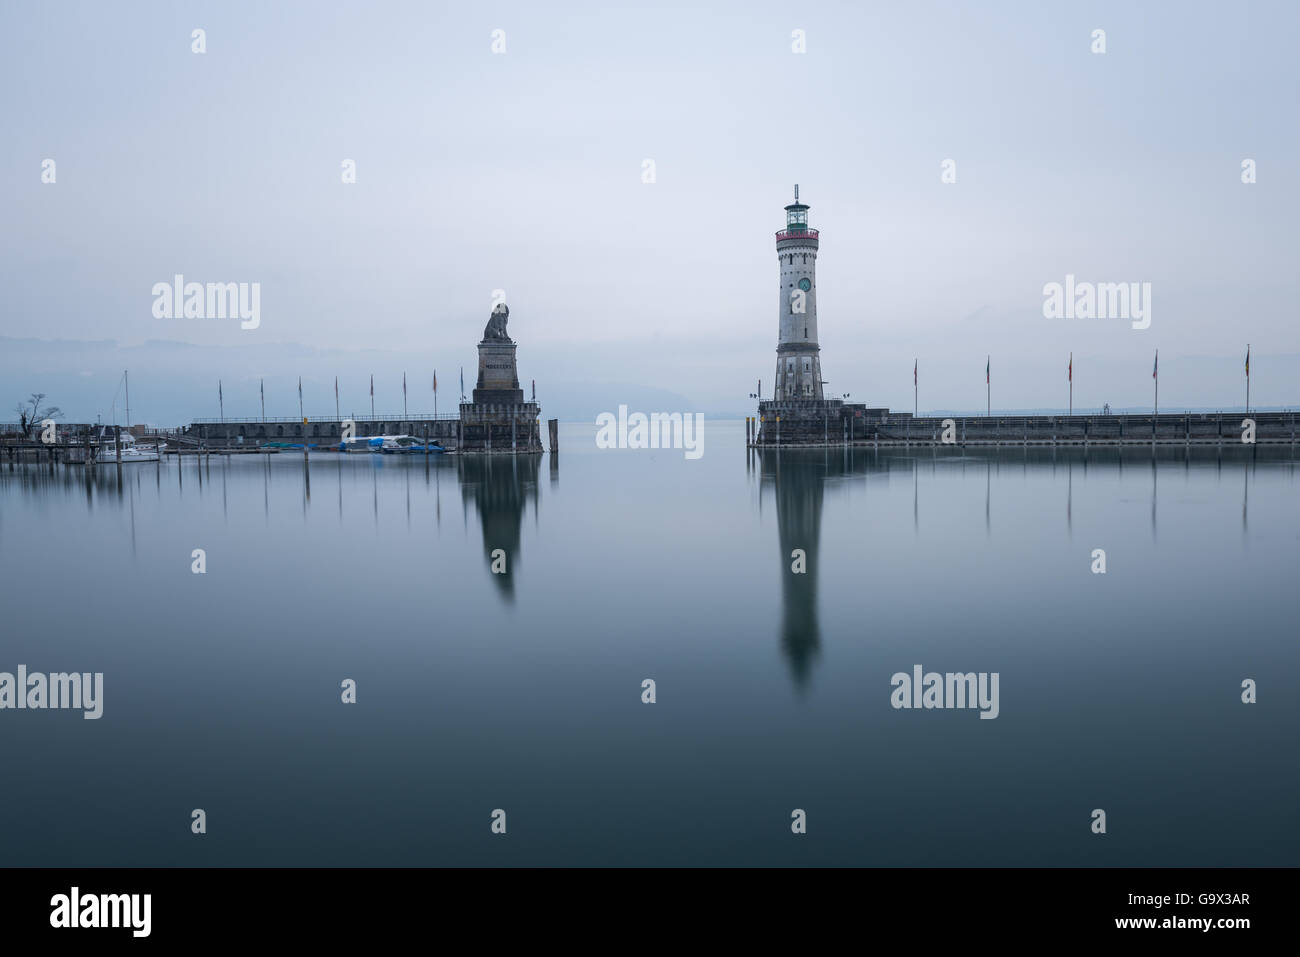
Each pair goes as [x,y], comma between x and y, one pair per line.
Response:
[519,686]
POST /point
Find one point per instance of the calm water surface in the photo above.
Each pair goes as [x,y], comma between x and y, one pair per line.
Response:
[522,691]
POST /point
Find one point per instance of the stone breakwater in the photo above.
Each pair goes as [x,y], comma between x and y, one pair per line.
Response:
[833,422]
[482,427]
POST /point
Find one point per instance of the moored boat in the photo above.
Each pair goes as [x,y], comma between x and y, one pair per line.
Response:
[107,451]
[361,444]
[399,444]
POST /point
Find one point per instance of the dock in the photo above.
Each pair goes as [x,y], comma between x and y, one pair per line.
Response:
[822,423]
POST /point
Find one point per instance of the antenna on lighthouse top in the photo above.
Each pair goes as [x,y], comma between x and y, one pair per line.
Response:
[796,192]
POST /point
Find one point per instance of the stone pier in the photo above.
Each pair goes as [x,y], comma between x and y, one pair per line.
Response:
[323,433]
[498,419]
[822,422]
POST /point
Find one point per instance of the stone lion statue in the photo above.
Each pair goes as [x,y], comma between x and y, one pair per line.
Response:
[496,325]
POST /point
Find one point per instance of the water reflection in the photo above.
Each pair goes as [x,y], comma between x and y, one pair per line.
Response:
[798,480]
[1153,494]
[500,488]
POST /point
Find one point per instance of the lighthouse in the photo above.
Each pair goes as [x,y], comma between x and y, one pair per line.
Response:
[798,412]
[798,360]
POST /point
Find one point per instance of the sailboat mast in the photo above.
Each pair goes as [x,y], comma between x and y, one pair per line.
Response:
[127,379]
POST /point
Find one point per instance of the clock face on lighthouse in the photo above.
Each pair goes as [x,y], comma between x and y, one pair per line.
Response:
[805,285]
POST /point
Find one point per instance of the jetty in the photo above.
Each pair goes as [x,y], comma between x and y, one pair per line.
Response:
[832,422]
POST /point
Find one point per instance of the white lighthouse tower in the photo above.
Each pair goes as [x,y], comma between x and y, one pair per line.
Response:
[798,359]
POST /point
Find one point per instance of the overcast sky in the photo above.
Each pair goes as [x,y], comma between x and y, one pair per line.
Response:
[522,171]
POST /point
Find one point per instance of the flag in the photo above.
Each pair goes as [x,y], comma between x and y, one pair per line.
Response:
[987,364]
[220,398]
[1156,368]
[403,385]
[261,388]
[462,380]
[914,365]
[336,388]
[435,380]
[372,385]
[1070,375]
[1247,362]
[300,389]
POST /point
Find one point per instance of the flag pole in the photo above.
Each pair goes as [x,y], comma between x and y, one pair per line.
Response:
[336,399]
[261,388]
[915,393]
[305,444]
[1071,383]
[1248,377]
[988,387]
[1155,374]
[221,402]
[435,393]
[403,395]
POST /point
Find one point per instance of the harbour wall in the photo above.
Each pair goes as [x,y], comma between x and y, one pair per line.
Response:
[832,422]
[500,426]
[479,427]
[252,433]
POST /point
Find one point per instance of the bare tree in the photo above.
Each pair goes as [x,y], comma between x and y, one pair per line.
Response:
[34,410]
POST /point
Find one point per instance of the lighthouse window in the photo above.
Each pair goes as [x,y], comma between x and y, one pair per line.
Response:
[805,259]
[805,332]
